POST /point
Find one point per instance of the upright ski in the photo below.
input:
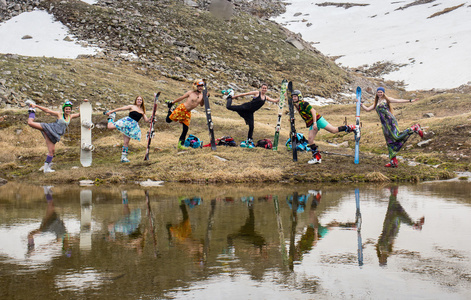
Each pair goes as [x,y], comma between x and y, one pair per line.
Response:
[357,127]
[293,135]
[281,103]
[208,117]
[150,134]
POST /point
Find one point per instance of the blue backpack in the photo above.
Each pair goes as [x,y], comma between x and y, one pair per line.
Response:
[302,143]
[193,142]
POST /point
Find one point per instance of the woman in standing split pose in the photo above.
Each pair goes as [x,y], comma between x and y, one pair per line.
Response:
[52,132]
[247,110]
[394,138]
[129,125]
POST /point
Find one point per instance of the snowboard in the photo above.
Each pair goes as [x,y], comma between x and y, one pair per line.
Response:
[150,134]
[293,136]
[208,117]
[281,103]
[86,147]
[357,127]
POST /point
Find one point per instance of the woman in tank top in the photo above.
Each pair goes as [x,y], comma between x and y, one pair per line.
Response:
[52,132]
[128,125]
[247,110]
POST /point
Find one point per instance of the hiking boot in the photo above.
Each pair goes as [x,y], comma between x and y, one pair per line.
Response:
[316,159]
[181,147]
[416,128]
[393,163]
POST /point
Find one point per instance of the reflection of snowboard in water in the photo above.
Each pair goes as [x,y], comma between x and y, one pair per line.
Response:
[85,220]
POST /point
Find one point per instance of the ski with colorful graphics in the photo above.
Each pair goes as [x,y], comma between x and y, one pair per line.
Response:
[293,136]
[150,134]
[281,103]
[357,127]
[208,117]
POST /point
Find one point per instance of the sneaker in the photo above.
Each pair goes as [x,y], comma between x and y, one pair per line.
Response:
[250,144]
[124,159]
[243,144]
[181,147]
[47,168]
[230,93]
[169,104]
[393,163]
[416,128]
[350,128]
[29,102]
[112,116]
[316,159]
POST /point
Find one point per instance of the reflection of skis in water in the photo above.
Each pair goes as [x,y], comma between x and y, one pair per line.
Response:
[209,230]
[280,229]
[151,218]
[358,225]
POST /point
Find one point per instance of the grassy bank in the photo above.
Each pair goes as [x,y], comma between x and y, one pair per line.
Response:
[22,149]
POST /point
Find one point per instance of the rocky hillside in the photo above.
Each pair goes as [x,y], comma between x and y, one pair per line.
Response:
[233,45]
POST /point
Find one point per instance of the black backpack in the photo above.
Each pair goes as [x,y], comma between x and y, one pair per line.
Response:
[265,143]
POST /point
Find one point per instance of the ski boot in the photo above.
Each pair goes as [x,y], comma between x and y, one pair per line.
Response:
[124,155]
[351,128]
[416,128]
[393,163]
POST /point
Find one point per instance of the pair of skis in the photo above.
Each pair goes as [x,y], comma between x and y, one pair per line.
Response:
[286,88]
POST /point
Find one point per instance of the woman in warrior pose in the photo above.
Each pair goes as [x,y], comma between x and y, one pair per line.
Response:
[247,110]
[129,125]
[394,138]
[52,132]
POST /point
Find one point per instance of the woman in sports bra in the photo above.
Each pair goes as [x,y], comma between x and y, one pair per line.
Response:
[129,125]
[52,132]
[247,110]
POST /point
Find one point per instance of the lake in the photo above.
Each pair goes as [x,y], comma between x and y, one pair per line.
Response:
[306,241]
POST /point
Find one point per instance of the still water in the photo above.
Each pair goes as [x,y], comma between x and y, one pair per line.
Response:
[236,242]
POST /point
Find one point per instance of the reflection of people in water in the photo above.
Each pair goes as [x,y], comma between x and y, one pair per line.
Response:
[181,233]
[50,223]
[128,226]
[314,231]
[395,215]
[247,231]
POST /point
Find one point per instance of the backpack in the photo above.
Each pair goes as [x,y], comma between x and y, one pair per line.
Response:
[265,143]
[226,141]
[302,143]
[193,142]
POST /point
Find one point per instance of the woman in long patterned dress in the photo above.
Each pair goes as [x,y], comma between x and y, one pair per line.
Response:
[52,132]
[395,139]
[129,125]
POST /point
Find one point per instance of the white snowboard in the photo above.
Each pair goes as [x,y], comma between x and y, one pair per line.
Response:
[86,147]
